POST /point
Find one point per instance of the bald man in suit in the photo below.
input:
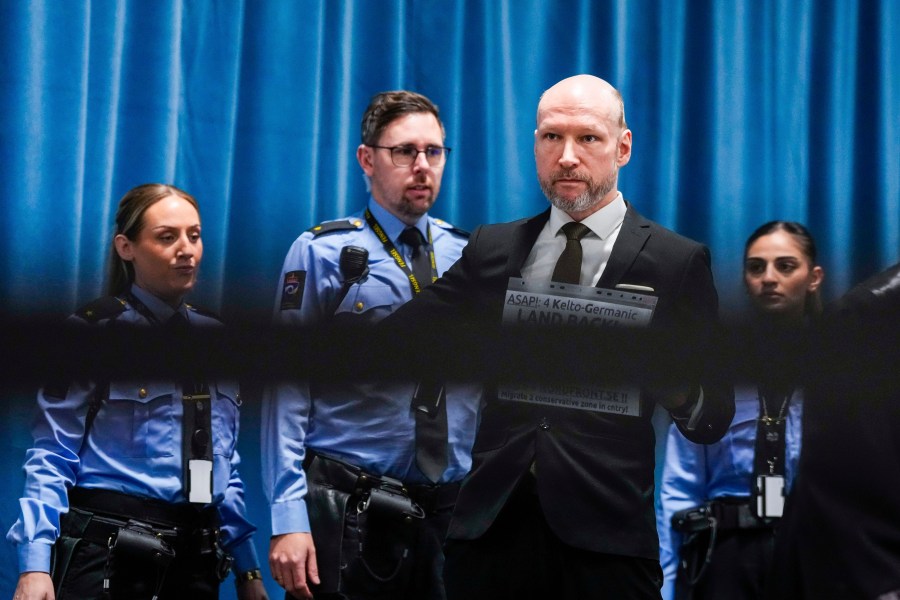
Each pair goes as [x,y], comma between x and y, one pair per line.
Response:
[559,502]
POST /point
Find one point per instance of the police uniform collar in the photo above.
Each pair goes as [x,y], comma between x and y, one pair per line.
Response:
[162,311]
[393,226]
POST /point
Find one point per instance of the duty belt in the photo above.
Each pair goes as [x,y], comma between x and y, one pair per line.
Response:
[350,479]
[106,511]
[736,513]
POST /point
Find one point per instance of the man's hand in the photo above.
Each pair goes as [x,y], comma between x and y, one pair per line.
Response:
[34,585]
[252,590]
[292,559]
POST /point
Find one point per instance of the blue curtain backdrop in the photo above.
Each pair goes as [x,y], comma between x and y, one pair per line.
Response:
[742,111]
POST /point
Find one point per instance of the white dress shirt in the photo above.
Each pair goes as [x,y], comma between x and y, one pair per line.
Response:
[597,245]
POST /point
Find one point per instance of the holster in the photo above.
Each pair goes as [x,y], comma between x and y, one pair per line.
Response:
[73,525]
[336,489]
[698,527]
[327,507]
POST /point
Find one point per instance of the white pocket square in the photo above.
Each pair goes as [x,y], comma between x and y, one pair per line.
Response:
[635,288]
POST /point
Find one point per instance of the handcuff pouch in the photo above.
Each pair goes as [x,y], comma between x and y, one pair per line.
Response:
[136,542]
[392,504]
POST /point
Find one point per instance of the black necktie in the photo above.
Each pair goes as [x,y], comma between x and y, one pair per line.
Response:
[429,401]
[430,405]
[421,263]
[177,324]
[568,267]
[196,435]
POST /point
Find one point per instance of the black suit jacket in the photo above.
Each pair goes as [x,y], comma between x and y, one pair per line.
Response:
[840,538]
[594,470]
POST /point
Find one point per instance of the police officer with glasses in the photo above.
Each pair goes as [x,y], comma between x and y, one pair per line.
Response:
[362,476]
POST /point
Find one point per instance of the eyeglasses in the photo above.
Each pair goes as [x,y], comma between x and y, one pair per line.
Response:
[404,156]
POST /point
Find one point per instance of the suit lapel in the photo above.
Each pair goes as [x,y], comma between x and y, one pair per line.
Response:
[523,241]
[632,237]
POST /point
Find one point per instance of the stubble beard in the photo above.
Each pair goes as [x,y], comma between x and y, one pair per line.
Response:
[415,208]
[587,199]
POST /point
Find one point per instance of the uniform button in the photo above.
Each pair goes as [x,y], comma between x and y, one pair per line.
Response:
[359,306]
[142,393]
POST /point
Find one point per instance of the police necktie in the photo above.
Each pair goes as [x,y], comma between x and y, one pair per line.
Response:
[196,436]
[568,267]
[430,407]
[421,263]
[429,400]
[177,324]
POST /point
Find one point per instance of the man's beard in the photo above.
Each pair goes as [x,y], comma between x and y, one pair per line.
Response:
[589,198]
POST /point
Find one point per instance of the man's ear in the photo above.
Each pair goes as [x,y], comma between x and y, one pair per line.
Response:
[124,247]
[623,148]
[364,157]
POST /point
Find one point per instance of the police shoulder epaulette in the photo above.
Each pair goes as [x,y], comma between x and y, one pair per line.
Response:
[107,307]
[344,224]
[202,311]
[445,225]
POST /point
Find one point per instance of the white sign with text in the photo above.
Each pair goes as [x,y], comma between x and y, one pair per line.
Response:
[554,304]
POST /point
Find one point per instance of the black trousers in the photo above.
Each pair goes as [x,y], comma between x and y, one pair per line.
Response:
[82,558]
[520,558]
[740,564]
[383,576]
[187,577]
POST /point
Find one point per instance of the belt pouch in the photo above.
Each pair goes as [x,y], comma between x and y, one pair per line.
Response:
[692,520]
[134,546]
[390,504]
[137,541]
[224,562]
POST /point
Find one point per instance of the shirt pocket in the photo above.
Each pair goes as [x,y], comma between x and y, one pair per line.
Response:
[225,414]
[370,302]
[138,420]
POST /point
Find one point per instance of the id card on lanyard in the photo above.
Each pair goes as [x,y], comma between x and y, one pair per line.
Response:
[770,453]
[196,424]
[552,304]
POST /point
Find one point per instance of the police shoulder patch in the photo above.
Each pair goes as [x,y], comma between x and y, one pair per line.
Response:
[107,307]
[445,225]
[343,224]
[292,290]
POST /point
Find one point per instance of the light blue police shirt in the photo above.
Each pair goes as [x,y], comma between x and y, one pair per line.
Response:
[694,473]
[368,424]
[133,447]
